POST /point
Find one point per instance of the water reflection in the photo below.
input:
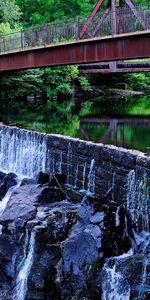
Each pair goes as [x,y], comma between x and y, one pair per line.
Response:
[123,121]
[129,132]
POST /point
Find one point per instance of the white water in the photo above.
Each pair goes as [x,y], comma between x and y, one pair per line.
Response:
[91,178]
[137,200]
[76,175]
[22,152]
[22,278]
[84,174]
[5,200]
[117,218]
[26,265]
[60,163]
[115,287]
[69,163]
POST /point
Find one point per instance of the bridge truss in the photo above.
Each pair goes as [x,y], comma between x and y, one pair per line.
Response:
[110,33]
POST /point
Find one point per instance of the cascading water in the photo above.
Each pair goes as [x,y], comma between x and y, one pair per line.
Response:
[137,200]
[115,287]
[5,200]
[22,152]
[69,163]
[91,178]
[22,278]
[76,175]
[26,265]
[60,163]
[84,174]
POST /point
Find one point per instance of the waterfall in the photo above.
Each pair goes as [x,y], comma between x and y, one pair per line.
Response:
[144,277]
[22,278]
[21,286]
[22,152]
[137,200]
[60,163]
[84,174]
[114,286]
[5,200]
[76,175]
[117,217]
[91,178]
[69,163]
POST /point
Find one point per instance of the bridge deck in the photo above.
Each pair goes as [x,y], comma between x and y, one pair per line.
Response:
[100,38]
[118,47]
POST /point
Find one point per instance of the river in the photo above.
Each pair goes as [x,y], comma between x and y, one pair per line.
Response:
[124,122]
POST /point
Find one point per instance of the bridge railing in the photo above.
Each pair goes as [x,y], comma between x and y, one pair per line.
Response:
[69,30]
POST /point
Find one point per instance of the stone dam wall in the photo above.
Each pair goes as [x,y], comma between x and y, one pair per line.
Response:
[100,169]
[105,169]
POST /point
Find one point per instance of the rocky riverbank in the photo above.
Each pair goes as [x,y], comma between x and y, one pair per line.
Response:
[61,244]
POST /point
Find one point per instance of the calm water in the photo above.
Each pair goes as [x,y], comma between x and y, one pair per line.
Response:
[123,122]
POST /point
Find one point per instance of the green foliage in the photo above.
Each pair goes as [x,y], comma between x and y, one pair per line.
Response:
[85,85]
[21,84]
[9,12]
[50,82]
[5,28]
[45,11]
[138,80]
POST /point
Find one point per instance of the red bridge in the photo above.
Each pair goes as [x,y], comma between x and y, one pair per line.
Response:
[110,33]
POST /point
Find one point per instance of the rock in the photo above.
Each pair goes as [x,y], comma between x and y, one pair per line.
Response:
[97,218]
[95,231]
[22,203]
[6,181]
[79,251]
[51,194]
[72,242]
[42,178]
[7,250]
[27,181]
[85,211]
[10,180]
[3,191]
[57,180]
[2,175]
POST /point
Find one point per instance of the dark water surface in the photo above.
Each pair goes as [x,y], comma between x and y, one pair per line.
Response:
[123,122]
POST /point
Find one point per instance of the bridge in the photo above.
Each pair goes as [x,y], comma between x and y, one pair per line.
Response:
[110,33]
[115,67]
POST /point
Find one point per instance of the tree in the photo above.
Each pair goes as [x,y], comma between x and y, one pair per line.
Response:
[9,12]
[46,11]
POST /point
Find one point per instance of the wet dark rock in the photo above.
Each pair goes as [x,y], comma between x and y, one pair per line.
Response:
[22,203]
[7,251]
[97,218]
[27,181]
[6,181]
[3,191]
[72,242]
[50,194]
[10,180]
[57,180]
[2,175]
[42,178]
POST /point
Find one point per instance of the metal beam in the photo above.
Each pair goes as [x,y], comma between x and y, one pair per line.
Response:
[90,18]
[136,13]
[110,71]
[120,47]
[113,17]
[100,21]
